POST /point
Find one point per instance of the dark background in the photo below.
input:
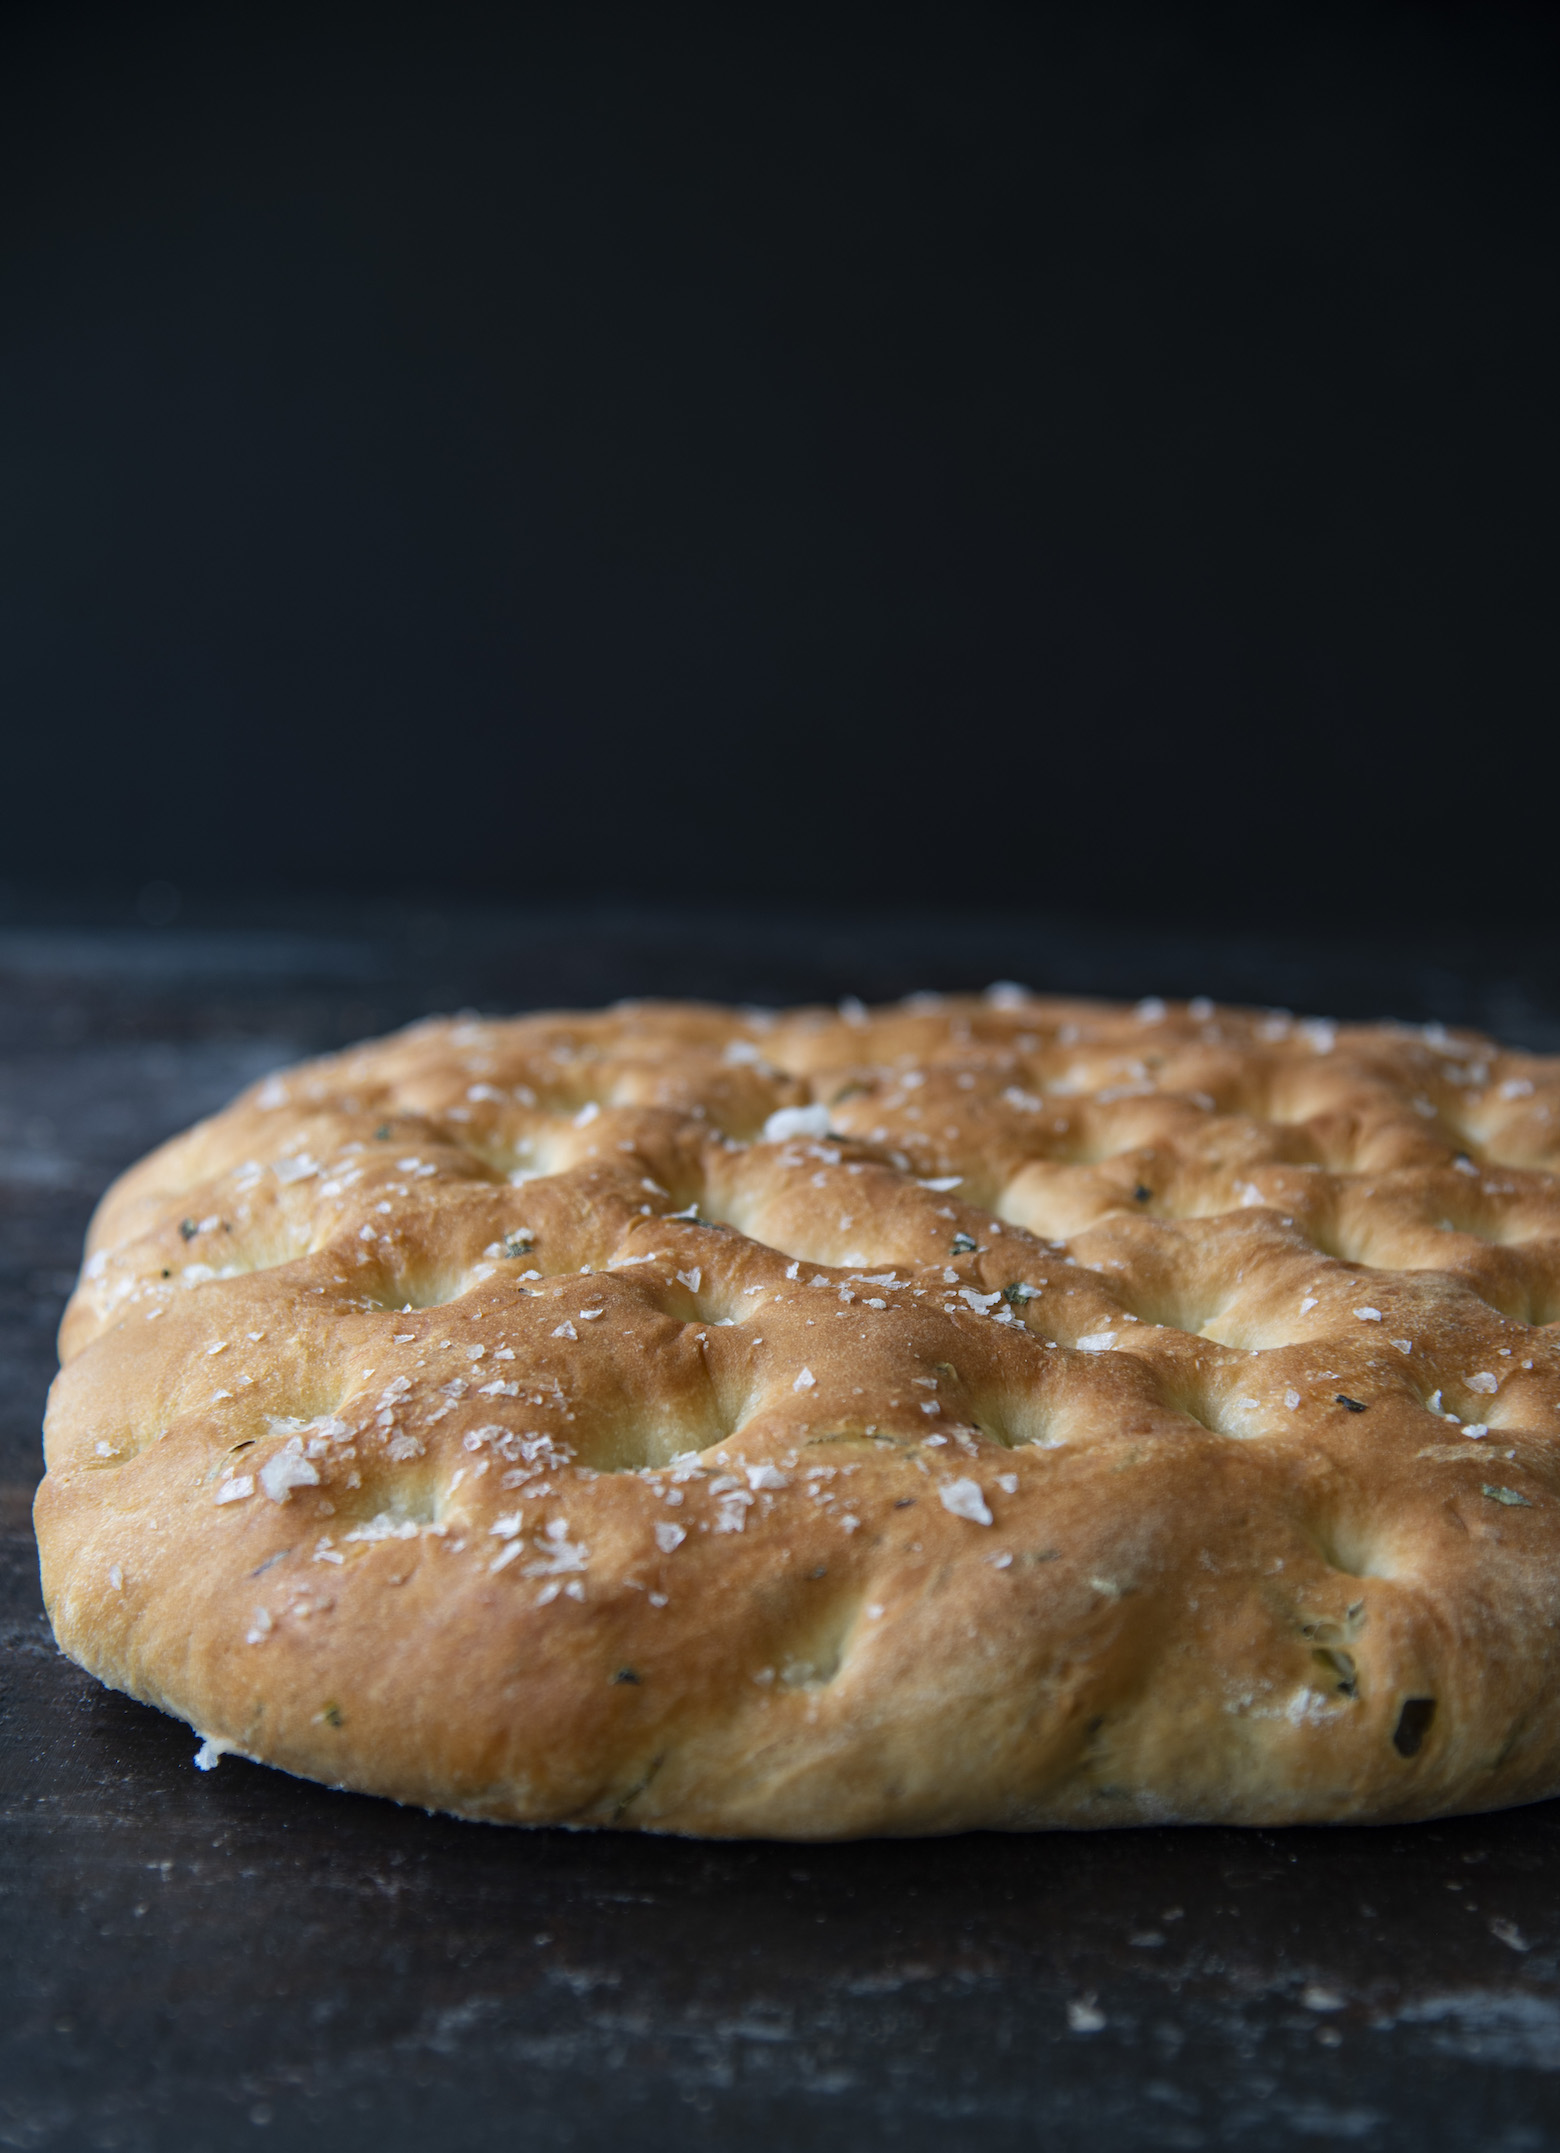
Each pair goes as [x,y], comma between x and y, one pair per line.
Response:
[1100,458]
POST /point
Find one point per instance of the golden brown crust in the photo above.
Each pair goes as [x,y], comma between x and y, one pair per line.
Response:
[1065,1415]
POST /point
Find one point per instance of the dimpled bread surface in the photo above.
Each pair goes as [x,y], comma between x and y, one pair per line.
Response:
[980,1412]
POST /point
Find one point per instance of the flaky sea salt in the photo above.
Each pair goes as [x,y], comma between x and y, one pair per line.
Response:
[287,1469]
[791,1121]
[965,1500]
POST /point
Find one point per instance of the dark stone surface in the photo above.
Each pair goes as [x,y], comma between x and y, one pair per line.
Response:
[202,1961]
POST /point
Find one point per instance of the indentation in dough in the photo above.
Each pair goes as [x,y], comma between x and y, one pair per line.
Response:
[690,1285]
[394,1507]
[1513,1280]
[1514,1226]
[422,1287]
[266,1245]
[1347,1546]
[1528,1297]
[840,1232]
[517,1145]
[515,1154]
[242,1257]
[1413,1725]
[387,1272]
[1502,1287]
[735,1098]
[1544,1304]
[1340,1666]
[1290,1095]
[1247,1332]
[1225,1411]
[646,1422]
[1173,1278]
[638,1437]
[586,1092]
[811,1655]
[1022,1419]
[1440,1237]
[1516,1282]
[1184,1303]
[419,1489]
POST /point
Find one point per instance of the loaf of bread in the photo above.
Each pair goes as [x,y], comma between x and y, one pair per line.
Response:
[990,1412]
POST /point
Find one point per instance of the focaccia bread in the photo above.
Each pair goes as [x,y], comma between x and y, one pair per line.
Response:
[997,1412]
